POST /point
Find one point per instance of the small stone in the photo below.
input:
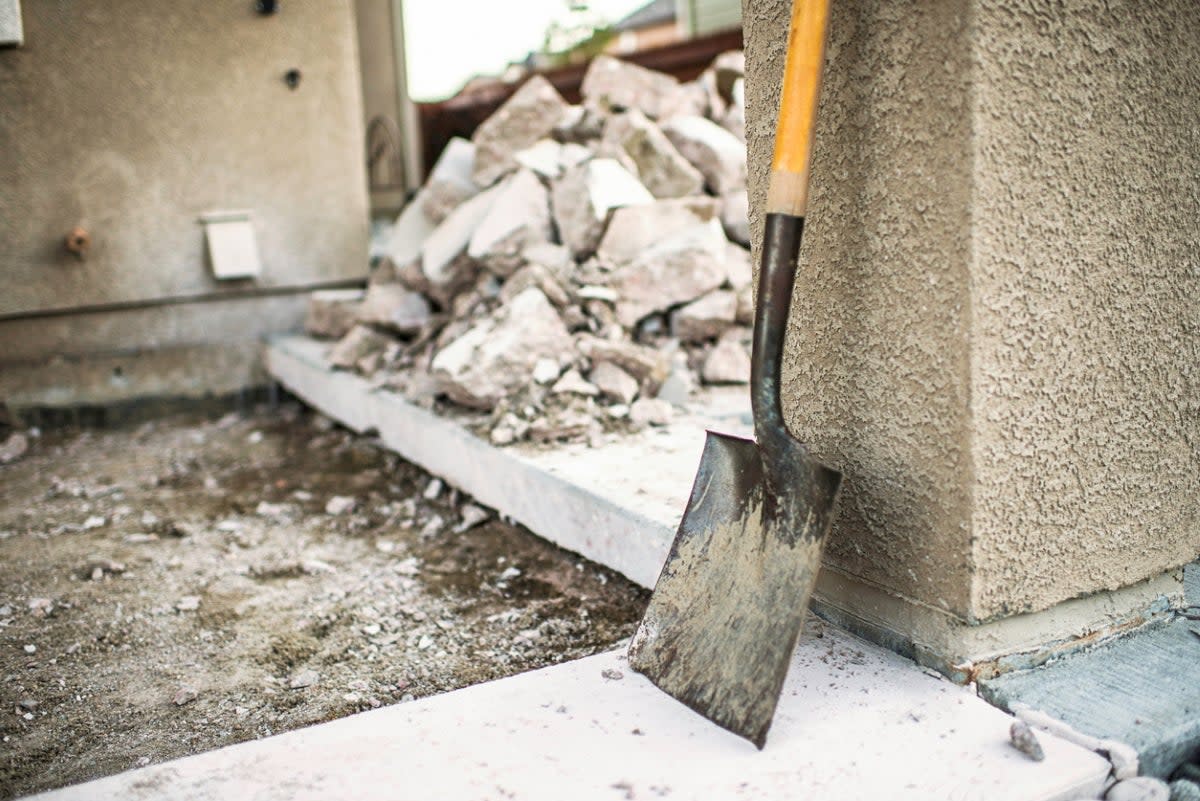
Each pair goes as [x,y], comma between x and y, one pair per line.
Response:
[41,607]
[95,521]
[651,411]
[185,695]
[528,116]
[433,526]
[1139,788]
[715,152]
[618,411]
[271,510]
[573,383]
[332,312]
[612,674]
[340,505]
[14,447]
[143,761]
[26,705]
[433,489]
[140,538]
[729,361]
[97,567]
[361,343]
[1184,790]
[188,603]
[545,371]
[472,516]
[1024,740]
[614,383]
[650,366]
[305,678]
[30,648]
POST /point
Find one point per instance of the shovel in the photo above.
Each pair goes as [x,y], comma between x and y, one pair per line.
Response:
[730,602]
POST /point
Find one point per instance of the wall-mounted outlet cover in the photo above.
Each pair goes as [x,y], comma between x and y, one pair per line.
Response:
[232,247]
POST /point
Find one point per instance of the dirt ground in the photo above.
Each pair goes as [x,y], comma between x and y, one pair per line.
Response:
[191,583]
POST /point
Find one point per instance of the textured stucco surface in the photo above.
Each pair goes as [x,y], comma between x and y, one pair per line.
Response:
[1085,297]
[132,119]
[876,375]
[995,327]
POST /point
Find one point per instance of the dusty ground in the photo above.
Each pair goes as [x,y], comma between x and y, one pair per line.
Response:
[187,584]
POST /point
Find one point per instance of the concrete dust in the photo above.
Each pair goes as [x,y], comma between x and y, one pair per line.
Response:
[181,586]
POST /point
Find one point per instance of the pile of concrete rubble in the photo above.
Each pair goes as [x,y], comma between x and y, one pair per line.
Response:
[572,268]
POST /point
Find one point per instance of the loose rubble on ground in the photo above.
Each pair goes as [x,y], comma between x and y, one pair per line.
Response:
[572,269]
[191,583]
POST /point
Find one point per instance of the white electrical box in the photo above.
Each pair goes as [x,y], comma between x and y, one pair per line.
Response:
[232,247]
[11,30]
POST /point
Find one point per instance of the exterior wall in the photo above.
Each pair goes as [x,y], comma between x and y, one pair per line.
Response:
[1085,298]
[709,16]
[994,332]
[132,119]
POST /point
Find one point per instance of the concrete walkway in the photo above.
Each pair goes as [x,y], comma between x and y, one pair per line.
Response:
[855,723]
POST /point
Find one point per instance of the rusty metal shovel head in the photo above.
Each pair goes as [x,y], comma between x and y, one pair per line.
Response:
[730,602]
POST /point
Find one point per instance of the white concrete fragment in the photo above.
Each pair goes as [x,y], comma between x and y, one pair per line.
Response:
[529,115]
[543,157]
[332,312]
[450,183]
[613,84]
[395,307]
[407,237]
[613,382]
[735,215]
[633,229]
[738,270]
[660,166]
[360,343]
[729,361]
[706,317]
[450,239]
[1139,788]
[575,384]
[651,411]
[583,197]
[499,353]
[718,154]
[518,216]
[675,270]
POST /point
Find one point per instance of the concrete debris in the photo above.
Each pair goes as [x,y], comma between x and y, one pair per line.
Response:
[583,197]
[98,567]
[660,166]
[715,152]
[529,115]
[471,516]
[340,505]
[433,489]
[14,447]
[651,411]
[188,603]
[304,678]
[1139,788]
[185,695]
[729,361]
[675,270]
[614,383]
[735,215]
[519,216]
[358,346]
[1184,790]
[1024,740]
[394,307]
[616,85]
[706,317]
[566,262]
[332,312]
[450,182]
[498,355]
[41,607]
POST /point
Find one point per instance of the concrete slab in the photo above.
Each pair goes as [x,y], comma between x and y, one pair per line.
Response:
[1142,689]
[855,722]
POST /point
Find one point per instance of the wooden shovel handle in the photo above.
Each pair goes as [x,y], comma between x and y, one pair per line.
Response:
[788,190]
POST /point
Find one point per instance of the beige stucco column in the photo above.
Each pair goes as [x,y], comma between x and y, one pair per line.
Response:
[996,328]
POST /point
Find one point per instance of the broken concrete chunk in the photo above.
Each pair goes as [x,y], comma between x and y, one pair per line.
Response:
[573,383]
[332,312]
[518,217]
[650,366]
[728,68]
[675,270]
[614,383]
[529,115]
[407,237]
[13,447]
[498,354]
[395,307]
[535,275]
[613,84]
[583,197]
[555,258]
[745,307]
[450,239]
[729,361]
[450,183]
[634,228]
[706,317]
[738,271]
[579,124]
[562,425]
[543,157]
[360,343]
[680,384]
[1139,788]
[545,371]
[719,155]
[735,215]
[572,155]
[660,166]
[651,411]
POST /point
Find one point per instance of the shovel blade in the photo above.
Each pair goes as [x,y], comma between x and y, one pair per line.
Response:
[723,621]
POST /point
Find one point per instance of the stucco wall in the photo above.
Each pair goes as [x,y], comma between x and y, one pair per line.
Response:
[1085,296]
[133,118]
[995,325]
[876,375]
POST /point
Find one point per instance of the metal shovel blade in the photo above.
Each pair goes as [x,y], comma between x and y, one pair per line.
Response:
[730,602]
